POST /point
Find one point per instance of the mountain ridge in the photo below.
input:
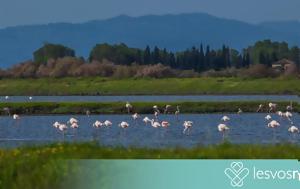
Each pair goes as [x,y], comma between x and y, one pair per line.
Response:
[172,31]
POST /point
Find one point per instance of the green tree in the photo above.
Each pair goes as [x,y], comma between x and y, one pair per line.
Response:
[53,51]
[119,54]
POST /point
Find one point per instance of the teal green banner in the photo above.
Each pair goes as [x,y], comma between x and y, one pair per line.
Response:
[191,174]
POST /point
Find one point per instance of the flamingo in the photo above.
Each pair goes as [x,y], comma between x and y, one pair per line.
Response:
[155,124]
[279,113]
[107,123]
[165,124]
[225,118]
[156,113]
[288,115]
[135,116]
[187,126]
[290,107]
[293,129]
[223,128]
[16,117]
[240,111]
[272,107]
[63,128]
[88,113]
[147,120]
[259,108]
[167,107]
[123,125]
[74,125]
[273,124]
[177,112]
[72,120]
[155,108]
[56,124]
[268,117]
[97,124]
[128,106]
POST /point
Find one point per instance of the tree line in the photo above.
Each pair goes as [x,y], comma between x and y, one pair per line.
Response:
[55,60]
[199,59]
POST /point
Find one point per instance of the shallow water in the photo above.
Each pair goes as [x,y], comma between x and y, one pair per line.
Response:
[245,128]
[154,98]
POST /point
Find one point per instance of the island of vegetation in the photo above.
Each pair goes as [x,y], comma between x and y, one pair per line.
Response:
[30,108]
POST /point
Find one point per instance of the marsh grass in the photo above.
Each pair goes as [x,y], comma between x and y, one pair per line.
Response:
[148,86]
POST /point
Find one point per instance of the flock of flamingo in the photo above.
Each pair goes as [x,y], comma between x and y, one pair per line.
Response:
[187,124]
[155,123]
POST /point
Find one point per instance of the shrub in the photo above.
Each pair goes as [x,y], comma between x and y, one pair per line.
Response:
[65,66]
[25,69]
[156,71]
[258,71]
[95,68]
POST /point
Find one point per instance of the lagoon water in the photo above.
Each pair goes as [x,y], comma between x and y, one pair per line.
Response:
[247,128]
[154,98]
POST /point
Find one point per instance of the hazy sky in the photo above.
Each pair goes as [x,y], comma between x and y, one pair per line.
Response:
[24,12]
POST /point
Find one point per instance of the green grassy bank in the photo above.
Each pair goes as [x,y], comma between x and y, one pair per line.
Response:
[44,167]
[140,107]
[186,86]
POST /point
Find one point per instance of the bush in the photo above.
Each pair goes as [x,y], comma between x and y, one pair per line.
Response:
[258,71]
[291,70]
[95,68]
[25,69]
[65,66]
[156,71]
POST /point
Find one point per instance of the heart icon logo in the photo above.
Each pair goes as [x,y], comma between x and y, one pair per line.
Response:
[236,173]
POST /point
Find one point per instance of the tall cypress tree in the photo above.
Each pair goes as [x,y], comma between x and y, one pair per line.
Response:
[156,55]
[207,57]
[147,55]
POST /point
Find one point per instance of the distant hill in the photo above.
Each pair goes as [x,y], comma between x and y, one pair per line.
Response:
[174,32]
[291,27]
